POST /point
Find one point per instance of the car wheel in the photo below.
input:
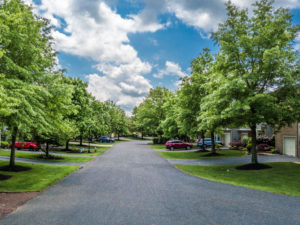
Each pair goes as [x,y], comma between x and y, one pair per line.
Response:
[172,148]
[18,149]
[31,148]
[188,147]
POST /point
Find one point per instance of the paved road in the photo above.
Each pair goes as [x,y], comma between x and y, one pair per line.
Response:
[131,184]
[233,160]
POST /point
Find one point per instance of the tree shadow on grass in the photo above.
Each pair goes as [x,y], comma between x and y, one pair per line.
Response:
[15,168]
[50,157]
[212,154]
[253,166]
[4,177]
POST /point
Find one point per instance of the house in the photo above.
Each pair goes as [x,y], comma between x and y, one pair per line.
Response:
[287,140]
[234,135]
[237,134]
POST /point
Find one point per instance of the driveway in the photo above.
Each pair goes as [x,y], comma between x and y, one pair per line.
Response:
[233,160]
[131,184]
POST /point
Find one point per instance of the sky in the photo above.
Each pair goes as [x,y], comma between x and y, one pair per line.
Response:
[122,48]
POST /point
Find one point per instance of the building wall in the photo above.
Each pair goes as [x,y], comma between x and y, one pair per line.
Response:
[286,131]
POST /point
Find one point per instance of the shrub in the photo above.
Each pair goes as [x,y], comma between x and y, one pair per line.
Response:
[275,151]
[249,146]
[235,145]
[262,147]
[4,144]
[245,141]
[262,139]
[218,146]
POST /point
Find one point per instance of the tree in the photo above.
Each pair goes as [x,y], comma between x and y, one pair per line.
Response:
[118,120]
[170,123]
[150,113]
[58,107]
[191,98]
[26,55]
[257,68]
[81,101]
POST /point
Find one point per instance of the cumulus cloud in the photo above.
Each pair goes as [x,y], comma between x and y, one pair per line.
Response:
[204,15]
[297,39]
[171,68]
[93,29]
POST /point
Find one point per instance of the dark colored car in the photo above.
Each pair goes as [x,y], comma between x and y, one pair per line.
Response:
[27,145]
[106,139]
[207,142]
[178,144]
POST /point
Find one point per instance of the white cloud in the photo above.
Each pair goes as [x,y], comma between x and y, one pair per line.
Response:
[92,29]
[204,15]
[171,69]
[297,39]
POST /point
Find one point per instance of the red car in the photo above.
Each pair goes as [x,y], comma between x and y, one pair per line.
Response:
[178,144]
[27,145]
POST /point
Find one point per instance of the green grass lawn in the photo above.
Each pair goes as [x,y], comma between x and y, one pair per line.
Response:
[282,178]
[201,155]
[36,179]
[99,152]
[36,156]
[157,146]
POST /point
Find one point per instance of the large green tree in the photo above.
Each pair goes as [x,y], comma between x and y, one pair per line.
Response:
[26,56]
[257,68]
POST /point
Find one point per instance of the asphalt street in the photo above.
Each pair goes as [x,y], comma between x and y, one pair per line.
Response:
[132,184]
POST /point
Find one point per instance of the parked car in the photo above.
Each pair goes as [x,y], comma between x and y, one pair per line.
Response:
[172,144]
[207,142]
[106,139]
[33,146]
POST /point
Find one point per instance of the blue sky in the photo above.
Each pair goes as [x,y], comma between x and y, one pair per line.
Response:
[122,48]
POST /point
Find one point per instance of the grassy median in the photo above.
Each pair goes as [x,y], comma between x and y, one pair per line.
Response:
[39,156]
[201,155]
[282,178]
[36,179]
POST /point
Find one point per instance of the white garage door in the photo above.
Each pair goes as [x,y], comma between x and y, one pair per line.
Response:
[289,146]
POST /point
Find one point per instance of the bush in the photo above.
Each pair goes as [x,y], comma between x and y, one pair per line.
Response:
[218,146]
[4,144]
[275,151]
[235,145]
[262,147]
[244,142]
[262,139]
[249,146]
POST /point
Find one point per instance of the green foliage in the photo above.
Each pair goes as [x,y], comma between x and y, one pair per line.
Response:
[4,144]
[148,116]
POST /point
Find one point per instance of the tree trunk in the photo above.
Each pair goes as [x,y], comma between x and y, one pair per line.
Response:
[213,146]
[80,140]
[253,147]
[13,147]
[67,145]
[142,136]
[47,149]
[202,138]
[118,137]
